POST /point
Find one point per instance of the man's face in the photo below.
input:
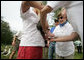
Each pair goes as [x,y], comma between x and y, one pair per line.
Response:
[56,23]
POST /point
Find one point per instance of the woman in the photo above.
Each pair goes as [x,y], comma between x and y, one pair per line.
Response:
[32,41]
[64,44]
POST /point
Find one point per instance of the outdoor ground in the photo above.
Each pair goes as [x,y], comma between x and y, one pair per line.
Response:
[45,56]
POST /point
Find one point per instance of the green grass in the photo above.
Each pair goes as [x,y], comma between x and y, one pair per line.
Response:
[45,56]
[78,55]
[7,57]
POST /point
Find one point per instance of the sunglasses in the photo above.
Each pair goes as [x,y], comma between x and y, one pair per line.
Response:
[60,17]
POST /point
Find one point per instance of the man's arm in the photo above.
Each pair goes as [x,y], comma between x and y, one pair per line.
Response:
[14,40]
[72,37]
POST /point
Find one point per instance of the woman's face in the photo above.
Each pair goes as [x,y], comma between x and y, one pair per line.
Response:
[63,16]
[62,19]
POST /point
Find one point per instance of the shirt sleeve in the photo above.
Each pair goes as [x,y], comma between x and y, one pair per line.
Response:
[26,13]
[70,28]
[56,4]
[52,29]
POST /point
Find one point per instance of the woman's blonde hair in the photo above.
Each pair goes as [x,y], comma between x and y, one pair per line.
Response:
[61,12]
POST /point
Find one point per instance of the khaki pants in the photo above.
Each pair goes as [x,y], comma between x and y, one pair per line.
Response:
[45,53]
[67,57]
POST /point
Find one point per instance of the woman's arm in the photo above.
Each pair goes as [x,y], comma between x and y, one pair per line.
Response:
[36,4]
[50,34]
[26,5]
[43,16]
[72,37]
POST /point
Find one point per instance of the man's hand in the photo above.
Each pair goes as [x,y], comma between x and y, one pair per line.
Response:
[47,45]
[13,43]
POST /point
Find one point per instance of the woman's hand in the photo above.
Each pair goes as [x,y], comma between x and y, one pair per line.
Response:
[50,34]
[52,40]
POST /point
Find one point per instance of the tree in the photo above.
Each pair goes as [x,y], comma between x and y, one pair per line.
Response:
[6,34]
[56,12]
[44,2]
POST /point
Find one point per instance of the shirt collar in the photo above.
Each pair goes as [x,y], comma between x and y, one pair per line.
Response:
[61,25]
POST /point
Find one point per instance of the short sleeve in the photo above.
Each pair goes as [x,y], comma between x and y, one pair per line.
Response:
[70,28]
[25,12]
[52,29]
[24,15]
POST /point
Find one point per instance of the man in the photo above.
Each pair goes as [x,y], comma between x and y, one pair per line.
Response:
[52,44]
[15,44]
[78,45]
[74,14]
